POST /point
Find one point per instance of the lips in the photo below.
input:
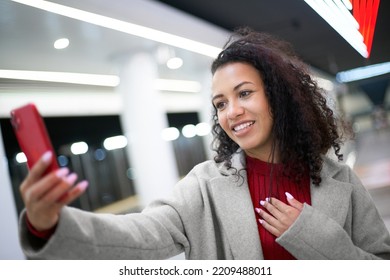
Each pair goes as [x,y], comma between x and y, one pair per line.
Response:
[241,126]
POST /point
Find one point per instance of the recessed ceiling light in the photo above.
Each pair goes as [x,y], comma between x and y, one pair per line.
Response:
[61,43]
[175,63]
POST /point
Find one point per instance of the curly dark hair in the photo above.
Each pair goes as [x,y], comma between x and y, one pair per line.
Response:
[304,127]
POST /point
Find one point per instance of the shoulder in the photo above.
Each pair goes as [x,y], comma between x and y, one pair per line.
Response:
[334,171]
[212,169]
[337,170]
[206,170]
[194,190]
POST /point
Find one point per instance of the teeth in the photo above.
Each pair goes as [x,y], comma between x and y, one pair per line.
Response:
[242,126]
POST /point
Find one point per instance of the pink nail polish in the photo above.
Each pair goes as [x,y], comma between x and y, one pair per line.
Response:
[71,178]
[62,172]
[46,157]
[289,196]
[261,221]
[83,185]
[257,210]
[262,202]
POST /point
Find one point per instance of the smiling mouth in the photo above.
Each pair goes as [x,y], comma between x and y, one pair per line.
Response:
[242,126]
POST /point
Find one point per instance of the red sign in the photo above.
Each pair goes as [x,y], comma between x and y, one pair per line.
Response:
[365,12]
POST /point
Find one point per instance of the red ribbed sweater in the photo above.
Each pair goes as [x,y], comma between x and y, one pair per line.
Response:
[259,175]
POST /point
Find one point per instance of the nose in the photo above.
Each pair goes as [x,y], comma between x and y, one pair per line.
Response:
[235,110]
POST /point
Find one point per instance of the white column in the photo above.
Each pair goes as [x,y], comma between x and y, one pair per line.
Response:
[206,111]
[9,237]
[143,119]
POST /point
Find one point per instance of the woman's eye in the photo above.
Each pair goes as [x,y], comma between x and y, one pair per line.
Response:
[245,93]
[220,105]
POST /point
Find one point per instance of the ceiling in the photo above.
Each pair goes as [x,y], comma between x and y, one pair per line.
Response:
[295,21]
[27,35]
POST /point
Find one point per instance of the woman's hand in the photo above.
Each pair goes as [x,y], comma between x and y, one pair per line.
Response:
[45,196]
[279,216]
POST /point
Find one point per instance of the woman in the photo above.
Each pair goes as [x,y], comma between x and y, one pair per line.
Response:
[270,193]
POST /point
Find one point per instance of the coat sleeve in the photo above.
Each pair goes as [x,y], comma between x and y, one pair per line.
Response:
[364,235]
[156,233]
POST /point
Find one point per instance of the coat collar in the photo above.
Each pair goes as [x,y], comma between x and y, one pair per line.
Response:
[333,196]
[238,163]
[234,205]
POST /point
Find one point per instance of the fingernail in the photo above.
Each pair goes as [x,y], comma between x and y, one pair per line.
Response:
[267,199]
[71,178]
[46,157]
[261,221]
[262,202]
[62,172]
[288,195]
[258,210]
[83,185]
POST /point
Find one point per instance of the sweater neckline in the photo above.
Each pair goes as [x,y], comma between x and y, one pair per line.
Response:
[262,167]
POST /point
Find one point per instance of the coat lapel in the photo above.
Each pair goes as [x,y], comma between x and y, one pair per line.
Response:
[234,208]
[332,197]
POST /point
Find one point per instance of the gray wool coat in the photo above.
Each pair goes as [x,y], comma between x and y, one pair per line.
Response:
[210,216]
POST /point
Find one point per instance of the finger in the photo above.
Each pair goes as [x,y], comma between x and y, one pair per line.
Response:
[74,193]
[37,170]
[54,194]
[45,185]
[293,202]
[269,227]
[267,217]
[271,208]
[280,205]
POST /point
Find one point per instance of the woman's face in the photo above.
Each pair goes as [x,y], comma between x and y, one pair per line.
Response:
[242,108]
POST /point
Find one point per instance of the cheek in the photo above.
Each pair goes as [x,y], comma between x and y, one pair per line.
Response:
[268,122]
[222,120]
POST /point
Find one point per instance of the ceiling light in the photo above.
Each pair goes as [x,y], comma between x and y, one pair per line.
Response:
[347,4]
[126,27]
[115,142]
[202,129]
[177,85]
[327,12]
[189,130]
[363,72]
[170,133]
[62,77]
[96,80]
[61,43]
[175,63]
[21,157]
[79,148]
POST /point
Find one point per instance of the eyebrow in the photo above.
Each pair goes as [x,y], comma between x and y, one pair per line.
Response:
[235,88]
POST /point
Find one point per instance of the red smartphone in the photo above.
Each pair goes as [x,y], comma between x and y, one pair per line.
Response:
[32,135]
